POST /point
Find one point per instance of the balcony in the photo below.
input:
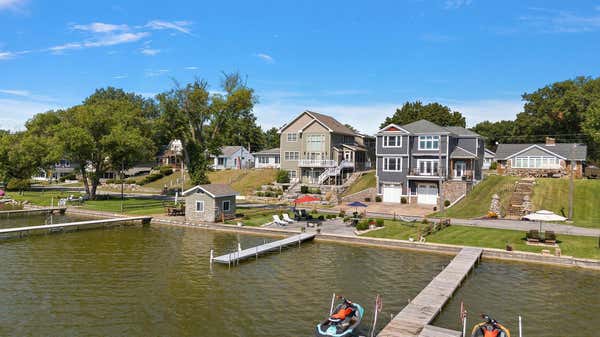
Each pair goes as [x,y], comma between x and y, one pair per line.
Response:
[434,174]
[317,163]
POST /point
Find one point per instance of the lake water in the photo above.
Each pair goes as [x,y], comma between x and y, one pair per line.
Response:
[156,281]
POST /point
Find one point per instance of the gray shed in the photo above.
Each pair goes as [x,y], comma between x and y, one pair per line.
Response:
[210,203]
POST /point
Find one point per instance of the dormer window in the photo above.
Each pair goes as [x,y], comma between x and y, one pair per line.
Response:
[429,142]
[392,141]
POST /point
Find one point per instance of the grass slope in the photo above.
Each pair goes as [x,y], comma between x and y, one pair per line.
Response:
[553,195]
[477,202]
[367,180]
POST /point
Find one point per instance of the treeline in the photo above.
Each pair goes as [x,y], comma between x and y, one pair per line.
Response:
[113,130]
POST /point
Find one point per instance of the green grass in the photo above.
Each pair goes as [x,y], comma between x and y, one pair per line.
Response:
[553,195]
[258,217]
[578,246]
[367,180]
[477,202]
[41,198]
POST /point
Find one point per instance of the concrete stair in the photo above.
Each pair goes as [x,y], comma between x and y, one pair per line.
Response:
[523,188]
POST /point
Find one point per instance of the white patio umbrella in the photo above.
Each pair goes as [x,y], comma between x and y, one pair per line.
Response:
[544,215]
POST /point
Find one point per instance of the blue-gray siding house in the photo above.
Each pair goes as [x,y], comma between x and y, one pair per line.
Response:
[414,159]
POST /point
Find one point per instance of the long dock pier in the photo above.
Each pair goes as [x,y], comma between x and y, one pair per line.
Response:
[234,257]
[18,232]
[414,319]
[46,210]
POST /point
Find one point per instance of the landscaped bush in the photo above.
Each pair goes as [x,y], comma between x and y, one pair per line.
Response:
[346,218]
[321,217]
[260,194]
[303,189]
[151,177]
[377,199]
[70,176]
[447,203]
[282,177]
[403,200]
[130,181]
[363,225]
[314,190]
[18,184]
[166,170]
[342,214]
[493,165]
[379,222]
[331,216]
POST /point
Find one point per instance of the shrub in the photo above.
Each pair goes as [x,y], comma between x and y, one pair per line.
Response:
[166,170]
[130,181]
[321,217]
[361,226]
[70,176]
[314,211]
[379,222]
[371,221]
[151,177]
[446,203]
[303,189]
[403,200]
[493,165]
[18,184]
[260,194]
[342,213]
[346,218]
[282,177]
[377,199]
[315,191]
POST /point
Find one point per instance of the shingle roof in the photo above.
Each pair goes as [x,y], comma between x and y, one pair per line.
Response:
[459,152]
[228,151]
[215,190]
[332,123]
[424,126]
[267,152]
[460,131]
[562,149]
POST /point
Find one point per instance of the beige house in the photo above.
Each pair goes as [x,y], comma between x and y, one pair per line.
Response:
[210,203]
[318,149]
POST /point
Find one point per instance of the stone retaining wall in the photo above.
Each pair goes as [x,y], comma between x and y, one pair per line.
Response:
[370,192]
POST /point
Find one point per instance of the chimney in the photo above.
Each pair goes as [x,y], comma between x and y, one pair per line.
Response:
[550,141]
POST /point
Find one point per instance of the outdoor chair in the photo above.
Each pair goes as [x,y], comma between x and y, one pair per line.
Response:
[286,217]
[533,236]
[305,215]
[278,221]
[549,237]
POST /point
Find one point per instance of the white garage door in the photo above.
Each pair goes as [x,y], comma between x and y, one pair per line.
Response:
[392,193]
[427,194]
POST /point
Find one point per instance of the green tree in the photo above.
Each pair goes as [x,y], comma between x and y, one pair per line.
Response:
[433,112]
[204,121]
[495,132]
[272,138]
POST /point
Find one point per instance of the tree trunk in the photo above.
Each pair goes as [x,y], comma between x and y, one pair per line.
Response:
[85,181]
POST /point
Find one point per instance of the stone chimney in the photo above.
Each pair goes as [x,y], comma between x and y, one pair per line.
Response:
[550,141]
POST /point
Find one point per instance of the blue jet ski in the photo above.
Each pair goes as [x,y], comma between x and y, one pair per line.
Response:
[344,321]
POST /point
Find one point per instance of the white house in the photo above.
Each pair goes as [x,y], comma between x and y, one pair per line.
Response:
[267,158]
[233,157]
[488,158]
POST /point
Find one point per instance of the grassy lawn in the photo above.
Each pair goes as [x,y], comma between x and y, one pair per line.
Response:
[243,181]
[553,195]
[258,217]
[578,246]
[41,198]
[477,202]
[367,180]
[171,181]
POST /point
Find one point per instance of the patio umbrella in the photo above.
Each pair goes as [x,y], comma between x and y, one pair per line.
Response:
[306,198]
[356,204]
[544,215]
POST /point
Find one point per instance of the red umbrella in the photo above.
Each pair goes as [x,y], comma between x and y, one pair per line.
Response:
[306,198]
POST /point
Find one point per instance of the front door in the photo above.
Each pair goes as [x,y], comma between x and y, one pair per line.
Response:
[460,168]
[427,193]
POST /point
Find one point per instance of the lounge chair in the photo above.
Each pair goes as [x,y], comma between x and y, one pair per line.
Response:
[305,215]
[278,221]
[549,237]
[533,236]
[286,217]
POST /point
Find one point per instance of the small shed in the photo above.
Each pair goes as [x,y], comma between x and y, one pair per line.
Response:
[210,203]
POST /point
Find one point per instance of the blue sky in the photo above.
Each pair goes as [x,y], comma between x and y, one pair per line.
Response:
[356,60]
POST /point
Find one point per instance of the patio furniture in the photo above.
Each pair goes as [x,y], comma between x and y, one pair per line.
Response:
[278,221]
[533,236]
[549,237]
[305,215]
[176,210]
[286,217]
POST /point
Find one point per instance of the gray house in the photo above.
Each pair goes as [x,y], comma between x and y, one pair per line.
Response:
[210,203]
[233,157]
[413,160]
[269,158]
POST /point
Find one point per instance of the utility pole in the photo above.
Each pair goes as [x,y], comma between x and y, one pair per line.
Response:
[571,183]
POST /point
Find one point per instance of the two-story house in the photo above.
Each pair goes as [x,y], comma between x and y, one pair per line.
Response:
[415,159]
[318,149]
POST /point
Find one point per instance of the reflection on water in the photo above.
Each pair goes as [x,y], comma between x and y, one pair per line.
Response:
[17,220]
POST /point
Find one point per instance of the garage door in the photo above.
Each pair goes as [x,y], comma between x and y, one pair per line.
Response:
[427,194]
[392,193]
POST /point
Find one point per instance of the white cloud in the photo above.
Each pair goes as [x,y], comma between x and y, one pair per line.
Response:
[456,4]
[26,93]
[22,93]
[12,4]
[546,20]
[180,26]
[265,57]
[150,51]
[15,112]
[100,27]
[102,41]
[154,73]
[6,55]
[118,77]
[191,68]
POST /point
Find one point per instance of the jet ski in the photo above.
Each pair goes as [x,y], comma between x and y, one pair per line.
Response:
[344,321]
[489,328]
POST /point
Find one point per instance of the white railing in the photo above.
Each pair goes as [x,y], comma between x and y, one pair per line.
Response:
[316,163]
[334,171]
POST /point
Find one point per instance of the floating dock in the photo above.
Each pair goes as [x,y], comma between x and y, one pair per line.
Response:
[17,232]
[414,319]
[234,257]
[47,210]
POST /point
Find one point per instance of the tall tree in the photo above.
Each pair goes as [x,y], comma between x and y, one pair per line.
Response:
[495,132]
[433,112]
[272,138]
[204,121]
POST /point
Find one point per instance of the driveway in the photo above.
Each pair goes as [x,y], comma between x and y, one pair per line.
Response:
[375,208]
[333,226]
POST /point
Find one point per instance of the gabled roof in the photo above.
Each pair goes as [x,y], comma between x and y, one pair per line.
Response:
[571,151]
[459,152]
[393,128]
[214,190]
[327,121]
[424,126]
[489,152]
[228,151]
[462,132]
[268,152]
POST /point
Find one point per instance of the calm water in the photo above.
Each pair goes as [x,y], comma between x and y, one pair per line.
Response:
[35,220]
[156,281]
[553,302]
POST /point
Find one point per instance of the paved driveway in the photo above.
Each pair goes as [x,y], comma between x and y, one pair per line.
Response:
[333,226]
[391,209]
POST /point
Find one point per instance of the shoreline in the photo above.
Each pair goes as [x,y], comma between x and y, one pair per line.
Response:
[436,248]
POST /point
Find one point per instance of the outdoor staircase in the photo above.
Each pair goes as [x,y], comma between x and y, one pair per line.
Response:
[333,172]
[523,188]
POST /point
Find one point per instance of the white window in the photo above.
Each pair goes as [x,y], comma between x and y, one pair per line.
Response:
[392,141]
[393,164]
[429,142]
[292,174]
[536,162]
[221,161]
[199,206]
[315,143]
[292,155]
[427,167]
[292,137]
[226,206]
[263,159]
[276,159]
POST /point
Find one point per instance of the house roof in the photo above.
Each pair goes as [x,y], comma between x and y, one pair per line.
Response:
[489,153]
[228,151]
[424,126]
[563,150]
[459,152]
[268,152]
[214,190]
[462,132]
[332,123]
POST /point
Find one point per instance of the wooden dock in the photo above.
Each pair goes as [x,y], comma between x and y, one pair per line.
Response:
[17,232]
[46,210]
[414,319]
[254,252]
